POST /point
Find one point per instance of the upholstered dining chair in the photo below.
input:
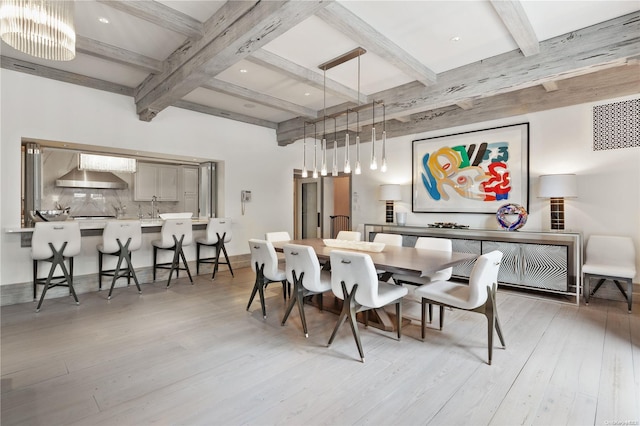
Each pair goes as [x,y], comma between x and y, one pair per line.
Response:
[277,236]
[56,243]
[264,263]
[609,258]
[354,280]
[174,236]
[387,240]
[478,296]
[217,234]
[349,236]
[432,243]
[119,238]
[303,270]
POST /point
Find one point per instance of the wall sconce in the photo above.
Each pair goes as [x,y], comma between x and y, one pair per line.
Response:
[390,193]
[557,188]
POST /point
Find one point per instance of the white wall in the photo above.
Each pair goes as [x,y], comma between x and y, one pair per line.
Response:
[560,142]
[40,108]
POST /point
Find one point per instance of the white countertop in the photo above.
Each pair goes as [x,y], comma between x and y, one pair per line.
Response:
[100,224]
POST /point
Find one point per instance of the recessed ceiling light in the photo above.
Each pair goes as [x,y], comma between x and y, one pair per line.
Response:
[103,20]
[243,70]
[307,94]
[456,38]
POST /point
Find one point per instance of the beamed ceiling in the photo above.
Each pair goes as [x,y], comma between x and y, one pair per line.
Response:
[434,64]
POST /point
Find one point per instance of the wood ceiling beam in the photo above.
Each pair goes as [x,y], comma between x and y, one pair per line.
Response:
[64,76]
[606,84]
[192,106]
[229,13]
[373,41]
[604,45]
[264,22]
[160,15]
[259,98]
[304,75]
[115,54]
[517,22]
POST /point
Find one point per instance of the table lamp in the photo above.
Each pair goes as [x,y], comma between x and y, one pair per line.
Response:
[557,188]
[390,193]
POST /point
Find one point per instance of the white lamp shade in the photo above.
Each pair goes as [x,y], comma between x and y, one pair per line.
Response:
[390,193]
[558,186]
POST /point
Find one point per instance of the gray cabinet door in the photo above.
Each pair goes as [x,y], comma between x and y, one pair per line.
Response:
[465,246]
[531,265]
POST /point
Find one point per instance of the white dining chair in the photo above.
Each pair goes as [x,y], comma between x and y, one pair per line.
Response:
[609,258]
[217,234]
[119,238]
[478,296]
[387,240]
[277,236]
[354,280]
[174,236]
[56,243]
[431,243]
[303,270]
[349,236]
[264,263]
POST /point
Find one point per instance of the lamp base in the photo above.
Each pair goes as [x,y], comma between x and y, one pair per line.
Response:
[557,213]
[389,212]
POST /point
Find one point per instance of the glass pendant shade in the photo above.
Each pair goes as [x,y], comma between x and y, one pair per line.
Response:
[334,169]
[374,161]
[347,161]
[305,173]
[358,169]
[40,28]
[315,159]
[323,170]
[383,167]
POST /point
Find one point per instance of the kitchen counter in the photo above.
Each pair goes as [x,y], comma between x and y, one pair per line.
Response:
[99,224]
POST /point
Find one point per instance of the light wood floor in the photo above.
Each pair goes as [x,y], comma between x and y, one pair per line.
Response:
[193,355]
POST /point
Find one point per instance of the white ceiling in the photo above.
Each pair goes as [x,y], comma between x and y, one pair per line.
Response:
[423,29]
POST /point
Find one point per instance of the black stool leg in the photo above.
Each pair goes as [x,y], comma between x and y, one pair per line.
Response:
[226,256]
[99,270]
[197,258]
[35,279]
[155,261]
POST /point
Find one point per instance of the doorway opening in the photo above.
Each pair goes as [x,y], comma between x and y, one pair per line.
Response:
[316,201]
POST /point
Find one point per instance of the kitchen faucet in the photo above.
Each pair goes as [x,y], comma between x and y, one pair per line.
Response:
[153,207]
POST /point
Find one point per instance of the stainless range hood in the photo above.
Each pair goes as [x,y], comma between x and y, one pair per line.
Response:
[77,178]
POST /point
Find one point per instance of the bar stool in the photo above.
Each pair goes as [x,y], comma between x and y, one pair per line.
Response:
[171,230]
[55,242]
[218,233]
[115,233]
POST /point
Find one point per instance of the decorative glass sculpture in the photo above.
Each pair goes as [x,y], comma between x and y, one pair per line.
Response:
[510,210]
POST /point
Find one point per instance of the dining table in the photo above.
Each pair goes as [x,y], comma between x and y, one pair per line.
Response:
[391,259]
[394,259]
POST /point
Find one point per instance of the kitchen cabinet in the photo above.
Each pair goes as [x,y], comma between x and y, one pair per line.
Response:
[190,189]
[546,262]
[159,180]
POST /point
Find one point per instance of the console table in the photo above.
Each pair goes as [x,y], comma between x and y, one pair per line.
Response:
[547,262]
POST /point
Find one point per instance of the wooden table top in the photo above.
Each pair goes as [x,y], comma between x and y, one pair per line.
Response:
[406,260]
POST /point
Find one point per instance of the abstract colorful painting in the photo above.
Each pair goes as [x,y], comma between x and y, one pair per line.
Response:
[472,172]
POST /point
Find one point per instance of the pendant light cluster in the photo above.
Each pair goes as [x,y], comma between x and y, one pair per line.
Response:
[373,165]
